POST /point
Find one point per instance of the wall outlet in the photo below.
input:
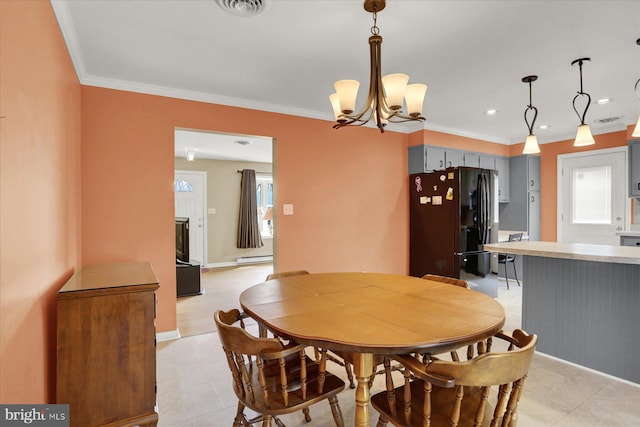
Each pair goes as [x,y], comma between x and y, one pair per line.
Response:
[287,209]
[211,211]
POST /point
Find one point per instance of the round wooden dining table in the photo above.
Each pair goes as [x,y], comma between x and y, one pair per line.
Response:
[372,313]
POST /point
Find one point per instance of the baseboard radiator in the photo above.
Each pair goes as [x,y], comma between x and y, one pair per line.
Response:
[254,259]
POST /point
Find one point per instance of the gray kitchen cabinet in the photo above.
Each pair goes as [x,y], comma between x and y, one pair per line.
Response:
[533,218]
[417,159]
[634,168]
[522,213]
[487,161]
[434,158]
[533,173]
[502,166]
[472,160]
[454,158]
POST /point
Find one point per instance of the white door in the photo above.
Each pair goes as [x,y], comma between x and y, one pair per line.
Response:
[592,196]
[190,201]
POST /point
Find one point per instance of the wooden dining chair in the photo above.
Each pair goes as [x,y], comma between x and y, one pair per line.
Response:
[449,280]
[505,259]
[449,393]
[272,379]
[286,274]
[337,357]
[463,284]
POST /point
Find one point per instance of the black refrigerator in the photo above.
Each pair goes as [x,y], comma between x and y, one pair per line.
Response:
[453,213]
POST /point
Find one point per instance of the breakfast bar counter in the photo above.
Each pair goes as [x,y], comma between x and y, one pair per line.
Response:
[583,301]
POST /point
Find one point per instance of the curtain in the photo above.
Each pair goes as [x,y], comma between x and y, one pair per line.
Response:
[248,230]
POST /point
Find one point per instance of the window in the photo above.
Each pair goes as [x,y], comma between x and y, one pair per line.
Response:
[181,186]
[264,196]
[592,199]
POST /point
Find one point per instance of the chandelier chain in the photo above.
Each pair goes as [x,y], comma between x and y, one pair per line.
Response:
[375,30]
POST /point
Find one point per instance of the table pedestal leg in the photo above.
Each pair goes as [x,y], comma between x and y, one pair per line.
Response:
[362,367]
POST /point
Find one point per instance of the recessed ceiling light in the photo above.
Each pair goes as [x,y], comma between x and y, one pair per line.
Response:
[242,142]
[543,127]
[491,112]
[604,101]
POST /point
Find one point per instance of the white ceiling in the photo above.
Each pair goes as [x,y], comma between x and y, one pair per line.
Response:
[472,54]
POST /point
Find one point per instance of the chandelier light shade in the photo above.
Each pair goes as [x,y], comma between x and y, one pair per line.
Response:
[531,143]
[190,154]
[636,130]
[583,135]
[387,94]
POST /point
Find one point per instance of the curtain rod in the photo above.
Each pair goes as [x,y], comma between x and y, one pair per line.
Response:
[257,173]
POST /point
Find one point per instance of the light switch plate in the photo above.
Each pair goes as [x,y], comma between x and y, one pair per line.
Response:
[287,209]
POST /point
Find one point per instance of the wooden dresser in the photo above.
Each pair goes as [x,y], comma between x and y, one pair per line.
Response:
[106,357]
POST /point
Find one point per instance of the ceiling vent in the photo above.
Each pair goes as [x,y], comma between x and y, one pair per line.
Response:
[245,8]
[608,120]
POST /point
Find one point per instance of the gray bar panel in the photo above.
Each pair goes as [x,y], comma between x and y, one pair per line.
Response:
[585,312]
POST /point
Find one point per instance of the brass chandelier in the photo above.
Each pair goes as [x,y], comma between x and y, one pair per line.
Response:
[386,94]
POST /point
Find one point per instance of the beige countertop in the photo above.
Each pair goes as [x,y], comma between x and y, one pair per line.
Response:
[628,233]
[577,251]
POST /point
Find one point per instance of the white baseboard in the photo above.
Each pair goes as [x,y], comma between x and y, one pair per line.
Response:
[589,369]
[254,259]
[241,261]
[168,336]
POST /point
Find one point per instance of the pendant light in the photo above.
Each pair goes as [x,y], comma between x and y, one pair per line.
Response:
[583,135]
[531,143]
[636,131]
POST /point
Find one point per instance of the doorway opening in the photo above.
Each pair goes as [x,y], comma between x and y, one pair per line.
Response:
[218,157]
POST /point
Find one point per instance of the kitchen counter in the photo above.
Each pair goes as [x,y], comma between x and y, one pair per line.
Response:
[628,233]
[582,300]
[576,251]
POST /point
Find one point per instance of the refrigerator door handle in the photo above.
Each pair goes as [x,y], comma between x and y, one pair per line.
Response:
[469,253]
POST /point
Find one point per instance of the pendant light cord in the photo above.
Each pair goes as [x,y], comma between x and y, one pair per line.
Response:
[530,107]
[581,93]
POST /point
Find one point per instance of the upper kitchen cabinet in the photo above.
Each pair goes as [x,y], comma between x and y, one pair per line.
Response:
[522,213]
[454,158]
[533,172]
[634,168]
[472,160]
[427,158]
[487,161]
[502,166]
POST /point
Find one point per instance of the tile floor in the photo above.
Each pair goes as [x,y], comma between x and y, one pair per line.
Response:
[194,384]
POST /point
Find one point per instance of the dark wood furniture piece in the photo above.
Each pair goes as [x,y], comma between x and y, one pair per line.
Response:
[460,393]
[372,314]
[106,352]
[273,379]
[188,279]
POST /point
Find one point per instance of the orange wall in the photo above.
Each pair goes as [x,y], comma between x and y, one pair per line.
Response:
[348,186]
[39,194]
[549,174]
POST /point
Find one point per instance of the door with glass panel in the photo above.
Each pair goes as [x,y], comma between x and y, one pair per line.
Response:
[592,196]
